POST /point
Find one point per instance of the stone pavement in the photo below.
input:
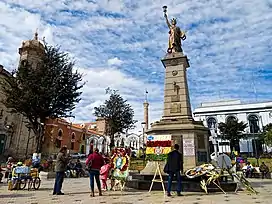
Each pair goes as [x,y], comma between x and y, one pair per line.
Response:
[77,192]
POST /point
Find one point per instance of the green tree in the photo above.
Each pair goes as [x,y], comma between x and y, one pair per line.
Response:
[232,130]
[267,134]
[50,90]
[118,114]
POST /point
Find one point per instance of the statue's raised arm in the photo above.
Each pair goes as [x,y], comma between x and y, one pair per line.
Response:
[167,21]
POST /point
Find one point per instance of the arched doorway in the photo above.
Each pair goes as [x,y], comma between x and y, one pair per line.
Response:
[253,121]
[122,143]
[211,122]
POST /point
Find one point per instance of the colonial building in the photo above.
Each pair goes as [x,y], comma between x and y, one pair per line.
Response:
[16,139]
[256,115]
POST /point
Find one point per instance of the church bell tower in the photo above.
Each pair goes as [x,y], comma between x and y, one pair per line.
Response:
[32,51]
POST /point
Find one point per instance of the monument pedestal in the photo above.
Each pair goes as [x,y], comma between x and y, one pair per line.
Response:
[177,119]
[192,138]
[178,122]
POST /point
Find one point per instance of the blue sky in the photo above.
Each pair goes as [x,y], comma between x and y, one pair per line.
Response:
[119,44]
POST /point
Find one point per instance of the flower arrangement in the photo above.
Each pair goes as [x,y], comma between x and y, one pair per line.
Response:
[166,143]
[157,150]
[119,159]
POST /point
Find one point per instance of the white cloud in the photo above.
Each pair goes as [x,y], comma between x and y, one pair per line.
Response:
[115,61]
[228,44]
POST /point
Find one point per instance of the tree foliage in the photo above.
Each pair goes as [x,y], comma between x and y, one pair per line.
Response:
[118,114]
[50,90]
[267,134]
[232,130]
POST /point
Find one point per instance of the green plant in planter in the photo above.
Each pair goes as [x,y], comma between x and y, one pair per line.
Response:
[156,157]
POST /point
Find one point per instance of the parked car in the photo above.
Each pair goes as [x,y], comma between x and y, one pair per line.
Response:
[78,155]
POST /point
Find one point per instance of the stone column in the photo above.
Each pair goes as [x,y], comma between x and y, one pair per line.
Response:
[146,104]
[176,93]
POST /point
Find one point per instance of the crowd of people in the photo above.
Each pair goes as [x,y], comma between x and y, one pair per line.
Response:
[100,170]
[98,167]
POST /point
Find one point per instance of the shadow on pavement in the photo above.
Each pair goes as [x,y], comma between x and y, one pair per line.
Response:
[260,183]
[15,195]
[45,189]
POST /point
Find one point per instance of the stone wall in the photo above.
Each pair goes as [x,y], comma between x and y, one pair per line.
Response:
[13,130]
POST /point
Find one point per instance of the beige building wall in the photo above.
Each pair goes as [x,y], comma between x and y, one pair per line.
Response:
[13,130]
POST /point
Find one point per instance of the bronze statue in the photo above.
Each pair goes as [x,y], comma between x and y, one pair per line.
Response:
[175,34]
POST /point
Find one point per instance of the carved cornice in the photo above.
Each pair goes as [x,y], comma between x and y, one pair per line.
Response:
[174,61]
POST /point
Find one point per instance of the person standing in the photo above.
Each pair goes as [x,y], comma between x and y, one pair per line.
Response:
[104,174]
[61,164]
[173,168]
[264,170]
[94,163]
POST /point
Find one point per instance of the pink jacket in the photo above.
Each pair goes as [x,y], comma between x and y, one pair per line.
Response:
[104,172]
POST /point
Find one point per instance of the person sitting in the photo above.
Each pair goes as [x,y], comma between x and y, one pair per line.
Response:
[249,170]
[78,167]
[36,163]
[264,170]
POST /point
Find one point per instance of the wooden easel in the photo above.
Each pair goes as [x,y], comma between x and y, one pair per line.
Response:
[158,171]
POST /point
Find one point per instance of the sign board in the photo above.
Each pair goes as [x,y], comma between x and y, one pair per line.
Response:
[188,147]
[159,137]
[150,137]
[158,146]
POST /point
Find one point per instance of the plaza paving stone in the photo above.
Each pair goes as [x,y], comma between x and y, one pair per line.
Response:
[77,192]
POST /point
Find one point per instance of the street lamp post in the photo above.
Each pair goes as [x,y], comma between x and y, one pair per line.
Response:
[143,126]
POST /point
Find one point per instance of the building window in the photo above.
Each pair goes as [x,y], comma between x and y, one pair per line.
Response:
[211,122]
[231,118]
[83,136]
[73,141]
[59,138]
[253,124]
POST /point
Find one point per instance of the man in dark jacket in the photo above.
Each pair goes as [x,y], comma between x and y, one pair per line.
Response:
[60,168]
[172,168]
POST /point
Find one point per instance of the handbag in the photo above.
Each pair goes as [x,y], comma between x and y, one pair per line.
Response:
[89,166]
[166,168]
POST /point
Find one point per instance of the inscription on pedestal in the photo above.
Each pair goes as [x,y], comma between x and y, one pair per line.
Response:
[175,108]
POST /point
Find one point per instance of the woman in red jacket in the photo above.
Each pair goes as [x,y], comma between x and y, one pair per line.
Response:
[94,163]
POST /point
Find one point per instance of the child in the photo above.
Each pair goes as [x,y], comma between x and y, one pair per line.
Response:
[104,173]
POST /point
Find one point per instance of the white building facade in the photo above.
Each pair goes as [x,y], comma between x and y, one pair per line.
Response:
[256,115]
[132,140]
